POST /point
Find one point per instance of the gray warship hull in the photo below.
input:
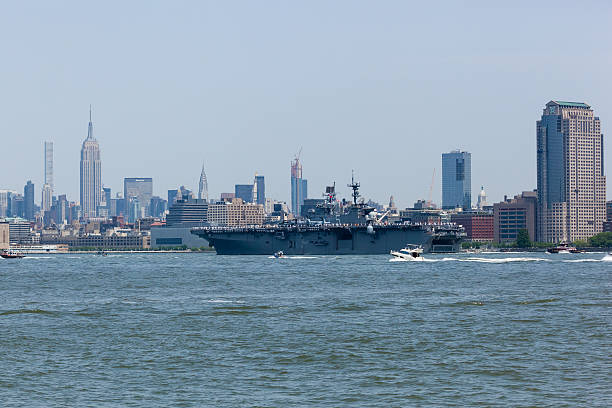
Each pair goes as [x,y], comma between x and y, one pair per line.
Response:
[318,240]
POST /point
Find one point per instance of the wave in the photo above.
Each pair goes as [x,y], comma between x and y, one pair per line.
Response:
[27,311]
[586,260]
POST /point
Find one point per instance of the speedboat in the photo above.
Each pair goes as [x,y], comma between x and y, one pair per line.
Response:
[410,253]
[608,257]
[563,248]
[11,254]
[279,254]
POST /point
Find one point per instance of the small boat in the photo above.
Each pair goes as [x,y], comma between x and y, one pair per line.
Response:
[103,253]
[279,254]
[608,257]
[410,253]
[563,248]
[11,254]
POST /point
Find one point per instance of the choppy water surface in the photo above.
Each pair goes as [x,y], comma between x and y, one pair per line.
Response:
[205,330]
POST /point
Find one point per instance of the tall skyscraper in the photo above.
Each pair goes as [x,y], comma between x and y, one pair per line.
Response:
[457,180]
[299,186]
[571,181]
[28,198]
[49,165]
[91,174]
[203,190]
[260,197]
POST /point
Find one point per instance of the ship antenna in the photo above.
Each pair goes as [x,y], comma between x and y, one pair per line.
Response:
[355,187]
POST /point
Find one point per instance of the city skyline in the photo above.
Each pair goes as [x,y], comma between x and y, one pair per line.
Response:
[357,93]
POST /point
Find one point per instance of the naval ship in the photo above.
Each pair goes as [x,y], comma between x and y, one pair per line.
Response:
[333,229]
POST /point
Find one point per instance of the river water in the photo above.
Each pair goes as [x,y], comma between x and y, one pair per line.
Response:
[191,330]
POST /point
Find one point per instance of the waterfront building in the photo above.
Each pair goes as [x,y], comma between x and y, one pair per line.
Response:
[91,174]
[512,215]
[28,200]
[244,192]
[260,183]
[182,216]
[227,196]
[19,231]
[457,180]
[203,186]
[299,186]
[571,181]
[478,225]
[608,210]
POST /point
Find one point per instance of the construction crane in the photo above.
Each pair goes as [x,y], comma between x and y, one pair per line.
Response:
[433,176]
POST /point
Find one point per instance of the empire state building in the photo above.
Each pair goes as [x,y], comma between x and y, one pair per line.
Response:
[91,174]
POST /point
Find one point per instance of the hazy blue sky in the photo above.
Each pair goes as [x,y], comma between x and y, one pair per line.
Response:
[382,87]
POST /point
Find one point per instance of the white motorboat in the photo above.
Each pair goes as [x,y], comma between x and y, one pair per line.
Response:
[410,253]
[608,257]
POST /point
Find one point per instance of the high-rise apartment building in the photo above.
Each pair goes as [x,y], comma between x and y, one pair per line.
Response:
[28,201]
[91,174]
[571,181]
[203,190]
[49,165]
[457,180]
[299,187]
[47,189]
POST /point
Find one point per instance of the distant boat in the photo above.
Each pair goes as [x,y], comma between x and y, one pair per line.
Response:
[11,254]
[563,248]
[279,254]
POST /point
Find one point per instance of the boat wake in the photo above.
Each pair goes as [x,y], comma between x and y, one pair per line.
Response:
[293,257]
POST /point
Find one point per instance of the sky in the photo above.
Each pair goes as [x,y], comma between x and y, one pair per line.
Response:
[381,88]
